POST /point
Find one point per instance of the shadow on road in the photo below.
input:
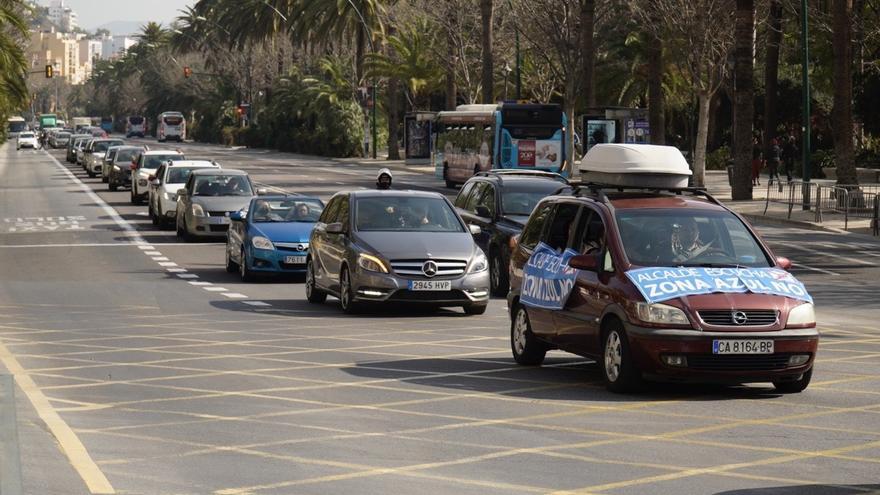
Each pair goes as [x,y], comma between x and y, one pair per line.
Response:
[805,490]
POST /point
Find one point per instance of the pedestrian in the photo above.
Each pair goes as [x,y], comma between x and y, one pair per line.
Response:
[789,154]
[757,162]
[773,161]
[383,179]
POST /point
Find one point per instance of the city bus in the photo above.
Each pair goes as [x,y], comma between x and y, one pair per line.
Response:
[15,125]
[48,120]
[475,138]
[135,125]
[171,125]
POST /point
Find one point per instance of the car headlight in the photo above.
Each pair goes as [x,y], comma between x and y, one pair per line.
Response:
[802,315]
[261,242]
[371,263]
[169,196]
[116,168]
[661,313]
[480,263]
[142,182]
[197,210]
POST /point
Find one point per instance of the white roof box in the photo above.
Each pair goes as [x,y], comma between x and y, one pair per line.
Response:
[635,165]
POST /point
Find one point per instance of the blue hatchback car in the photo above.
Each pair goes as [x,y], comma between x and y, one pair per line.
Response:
[271,236]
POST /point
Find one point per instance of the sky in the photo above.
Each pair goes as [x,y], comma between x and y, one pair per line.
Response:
[94,13]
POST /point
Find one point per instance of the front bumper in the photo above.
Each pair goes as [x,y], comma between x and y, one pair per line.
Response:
[94,166]
[276,260]
[649,346]
[207,226]
[467,290]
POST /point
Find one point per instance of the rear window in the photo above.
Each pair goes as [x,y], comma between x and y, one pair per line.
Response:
[153,161]
[135,120]
[173,120]
[27,134]
[521,199]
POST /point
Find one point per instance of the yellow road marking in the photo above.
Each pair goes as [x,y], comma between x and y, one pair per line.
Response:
[70,444]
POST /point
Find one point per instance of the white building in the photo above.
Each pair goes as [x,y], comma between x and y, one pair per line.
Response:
[63,16]
[113,47]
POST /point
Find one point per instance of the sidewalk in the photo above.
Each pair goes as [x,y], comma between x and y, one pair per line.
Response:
[777,213]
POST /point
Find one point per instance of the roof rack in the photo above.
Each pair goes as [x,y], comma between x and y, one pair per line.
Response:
[500,173]
[598,191]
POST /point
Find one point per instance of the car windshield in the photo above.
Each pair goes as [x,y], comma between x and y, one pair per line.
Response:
[26,135]
[406,214]
[222,185]
[179,175]
[679,237]
[522,199]
[102,146]
[287,210]
[125,155]
[153,161]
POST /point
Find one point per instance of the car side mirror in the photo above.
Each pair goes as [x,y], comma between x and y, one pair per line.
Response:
[182,192]
[334,228]
[475,229]
[134,165]
[584,262]
[483,211]
[262,191]
[236,216]
[783,263]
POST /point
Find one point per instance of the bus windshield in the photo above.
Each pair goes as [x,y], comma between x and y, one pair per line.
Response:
[16,125]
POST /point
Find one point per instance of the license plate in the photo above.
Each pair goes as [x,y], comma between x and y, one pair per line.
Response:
[295,260]
[430,285]
[742,347]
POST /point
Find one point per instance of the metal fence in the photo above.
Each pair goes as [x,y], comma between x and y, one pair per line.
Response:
[850,201]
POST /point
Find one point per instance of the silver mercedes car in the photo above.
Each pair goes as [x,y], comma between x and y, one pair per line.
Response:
[401,247]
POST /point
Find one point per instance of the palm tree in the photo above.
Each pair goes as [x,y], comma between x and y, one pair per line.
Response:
[842,114]
[13,65]
[409,61]
[487,16]
[744,98]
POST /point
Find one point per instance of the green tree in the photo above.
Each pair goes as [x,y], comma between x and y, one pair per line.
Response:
[13,66]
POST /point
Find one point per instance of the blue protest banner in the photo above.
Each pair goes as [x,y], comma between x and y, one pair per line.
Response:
[663,284]
[547,278]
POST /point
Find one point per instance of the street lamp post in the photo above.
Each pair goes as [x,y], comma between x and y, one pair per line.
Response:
[805,130]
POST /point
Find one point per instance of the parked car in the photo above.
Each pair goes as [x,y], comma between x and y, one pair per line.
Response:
[208,199]
[169,177]
[27,139]
[500,202]
[401,247]
[144,166]
[656,283]
[59,139]
[95,152]
[79,151]
[119,170]
[72,143]
[271,235]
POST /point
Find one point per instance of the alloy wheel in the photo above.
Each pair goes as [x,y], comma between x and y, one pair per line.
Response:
[519,332]
[613,356]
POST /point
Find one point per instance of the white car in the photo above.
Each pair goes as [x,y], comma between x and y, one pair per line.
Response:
[95,152]
[145,166]
[27,139]
[168,179]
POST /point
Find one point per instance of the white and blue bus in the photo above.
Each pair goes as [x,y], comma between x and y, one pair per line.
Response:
[476,138]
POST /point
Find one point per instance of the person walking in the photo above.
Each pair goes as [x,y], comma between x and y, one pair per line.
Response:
[789,154]
[773,161]
[757,162]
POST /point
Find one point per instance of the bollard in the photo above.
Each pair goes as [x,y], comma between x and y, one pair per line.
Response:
[876,220]
[10,459]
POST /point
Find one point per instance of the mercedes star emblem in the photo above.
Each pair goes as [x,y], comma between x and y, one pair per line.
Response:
[429,268]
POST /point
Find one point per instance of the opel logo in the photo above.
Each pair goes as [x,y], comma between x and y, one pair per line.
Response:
[739,317]
[429,268]
[300,247]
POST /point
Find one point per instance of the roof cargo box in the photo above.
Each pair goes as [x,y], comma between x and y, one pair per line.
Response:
[635,165]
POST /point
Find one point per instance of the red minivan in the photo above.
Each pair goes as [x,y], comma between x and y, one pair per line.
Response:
[658,285]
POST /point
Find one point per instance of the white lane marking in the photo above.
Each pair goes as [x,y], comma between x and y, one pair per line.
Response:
[215,289]
[146,248]
[823,253]
[160,258]
[260,304]
[167,263]
[199,284]
[234,295]
[176,270]
[152,253]
[121,222]
[814,269]
[187,275]
[93,244]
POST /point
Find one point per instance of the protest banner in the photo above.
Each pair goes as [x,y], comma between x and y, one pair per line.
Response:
[663,284]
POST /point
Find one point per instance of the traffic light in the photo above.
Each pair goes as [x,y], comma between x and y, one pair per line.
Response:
[187,72]
[240,110]
[50,71]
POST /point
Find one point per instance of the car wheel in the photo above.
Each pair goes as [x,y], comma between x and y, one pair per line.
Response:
[527,349]
[618,369]
[794,386]
[475,309]
[346,293]
[105,179]
[313,293]
[91,174]
[152,214]
[243,270]
[498,276]
[231,266]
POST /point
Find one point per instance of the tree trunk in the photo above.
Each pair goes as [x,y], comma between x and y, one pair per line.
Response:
[744,100]
[656,103]
[487,14]
[842,114]
[588,52]
[699,163]
[393,118]
[771,74]
[360,47]
[569,108]
[451,91]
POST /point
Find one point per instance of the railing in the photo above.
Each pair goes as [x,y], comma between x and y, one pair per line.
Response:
[875,222]
[851,201]
[791,194]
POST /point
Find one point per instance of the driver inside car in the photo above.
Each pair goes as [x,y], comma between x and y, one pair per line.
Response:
[685,241]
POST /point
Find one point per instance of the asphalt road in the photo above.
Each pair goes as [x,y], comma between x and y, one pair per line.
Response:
[143,367]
